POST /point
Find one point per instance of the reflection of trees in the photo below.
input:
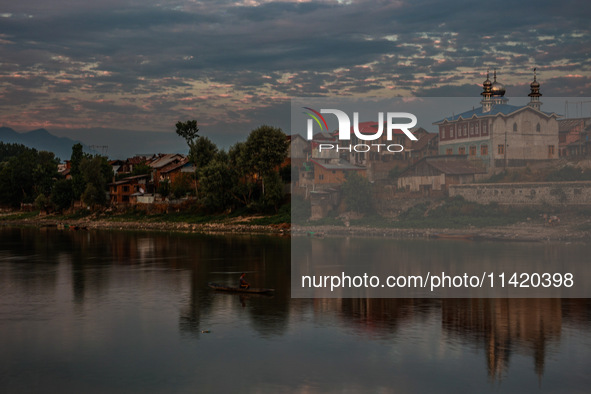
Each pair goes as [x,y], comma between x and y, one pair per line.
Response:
[220,258]
[503,326]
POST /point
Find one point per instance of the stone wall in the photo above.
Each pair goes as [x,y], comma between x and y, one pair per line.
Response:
[552,193]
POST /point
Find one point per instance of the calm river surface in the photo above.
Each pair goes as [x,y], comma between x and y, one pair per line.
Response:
[118,312]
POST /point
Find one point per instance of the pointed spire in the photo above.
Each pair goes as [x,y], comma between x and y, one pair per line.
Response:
[495,75]
[535,93]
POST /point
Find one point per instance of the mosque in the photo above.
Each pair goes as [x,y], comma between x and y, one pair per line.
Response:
[500,135]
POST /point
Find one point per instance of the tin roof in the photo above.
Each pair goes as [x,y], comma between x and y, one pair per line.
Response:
[497,109]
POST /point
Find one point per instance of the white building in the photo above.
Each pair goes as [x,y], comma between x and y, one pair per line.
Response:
[501,135]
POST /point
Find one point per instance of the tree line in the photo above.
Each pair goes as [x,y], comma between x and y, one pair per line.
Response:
[249,174]
[29,176]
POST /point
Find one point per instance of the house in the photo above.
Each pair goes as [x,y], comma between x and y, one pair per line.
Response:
[116,165]
[121,191]
[384,155]
[573,137]
[334,173]
[299,147]
[436,173]
[163,161]
[427,145]
[173,170]
[319,143]
[128,165]
[501,135]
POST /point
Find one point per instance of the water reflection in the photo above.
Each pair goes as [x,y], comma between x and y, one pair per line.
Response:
[95,293]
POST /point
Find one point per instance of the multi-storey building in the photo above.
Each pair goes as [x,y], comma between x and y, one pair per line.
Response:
[501,135]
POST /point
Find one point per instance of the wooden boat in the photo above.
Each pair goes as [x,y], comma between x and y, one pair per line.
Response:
[252,290]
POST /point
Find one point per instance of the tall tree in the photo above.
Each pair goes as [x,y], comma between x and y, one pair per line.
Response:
[96,172]
[188,130]
[202,152]
[201,149]
[78,183]
[357,193]
[217,182]
[265,149]
[62,194]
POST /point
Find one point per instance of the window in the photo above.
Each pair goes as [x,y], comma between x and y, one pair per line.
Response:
[484,128]
[471,128]
[538,128]
[550,150]
[472,151]
[449,151]
[476,128]
[125,189]
[515,127]
[461,150]
[483,150]
[321,177]
[501,149]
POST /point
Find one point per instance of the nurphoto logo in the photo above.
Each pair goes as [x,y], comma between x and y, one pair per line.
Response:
[344,133]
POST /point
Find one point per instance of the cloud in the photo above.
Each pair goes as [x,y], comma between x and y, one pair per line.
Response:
[123,64]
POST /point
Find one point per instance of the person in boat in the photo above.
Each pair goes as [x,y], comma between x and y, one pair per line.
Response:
[243,283]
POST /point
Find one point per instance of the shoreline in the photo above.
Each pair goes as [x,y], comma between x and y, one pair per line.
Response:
[520,232]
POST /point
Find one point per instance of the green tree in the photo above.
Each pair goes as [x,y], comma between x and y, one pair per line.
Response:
[78,183]
[188,130]
[357,193]
[244,187]
[164,188]
[25,175]
[42,203]
[96,172]
[62,194]
[274,191]
[140,169]
[92,196]
[44,172]
[202,152]
[181,185]
[264,151]
[217,183]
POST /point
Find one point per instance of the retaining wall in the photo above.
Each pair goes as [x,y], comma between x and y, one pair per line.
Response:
[552,193]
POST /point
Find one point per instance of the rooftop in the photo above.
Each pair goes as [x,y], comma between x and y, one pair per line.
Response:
[497,109]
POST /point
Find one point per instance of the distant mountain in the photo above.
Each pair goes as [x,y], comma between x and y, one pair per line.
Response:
[41,139]
[121,144]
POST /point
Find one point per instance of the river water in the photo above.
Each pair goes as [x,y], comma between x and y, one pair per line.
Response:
[119,312]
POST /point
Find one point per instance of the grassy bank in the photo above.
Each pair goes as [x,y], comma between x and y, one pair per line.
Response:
[239,217]
[456,213]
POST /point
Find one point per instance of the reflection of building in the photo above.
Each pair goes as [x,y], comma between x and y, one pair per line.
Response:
[504,326]
[498,134]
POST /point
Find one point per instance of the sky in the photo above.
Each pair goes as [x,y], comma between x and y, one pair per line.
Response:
[78,68]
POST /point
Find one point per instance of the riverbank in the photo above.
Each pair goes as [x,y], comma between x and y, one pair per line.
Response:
[239,225]
[570,229]
[519,232]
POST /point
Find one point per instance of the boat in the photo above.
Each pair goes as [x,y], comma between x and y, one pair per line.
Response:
[252,290]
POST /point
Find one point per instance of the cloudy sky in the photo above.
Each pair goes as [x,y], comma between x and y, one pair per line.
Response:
[142,65]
